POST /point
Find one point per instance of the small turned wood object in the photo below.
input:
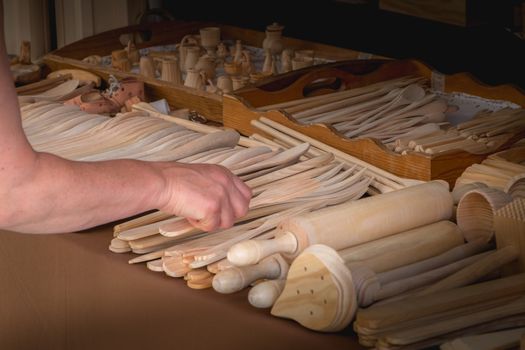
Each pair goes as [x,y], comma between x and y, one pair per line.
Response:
[237,278]
[25,53]
[273,40]
[475,213]
[147,68]
[133,53]
[170,70]
[264,294]
[24,72]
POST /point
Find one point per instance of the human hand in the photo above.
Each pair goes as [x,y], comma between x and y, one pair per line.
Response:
[208,196]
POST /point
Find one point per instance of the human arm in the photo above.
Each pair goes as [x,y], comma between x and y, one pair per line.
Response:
[42,193]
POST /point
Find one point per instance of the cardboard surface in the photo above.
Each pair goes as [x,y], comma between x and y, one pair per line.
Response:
[70,292]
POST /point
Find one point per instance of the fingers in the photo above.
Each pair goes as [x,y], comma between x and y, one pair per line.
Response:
[228,216]
[209,196]
[209,223]
[225,217]
[243,188]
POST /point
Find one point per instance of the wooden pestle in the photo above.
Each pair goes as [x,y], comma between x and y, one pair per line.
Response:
[265,293]
[352,223]
[237,278]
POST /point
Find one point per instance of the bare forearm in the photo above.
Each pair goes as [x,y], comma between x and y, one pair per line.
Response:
[57,195]
[42,193]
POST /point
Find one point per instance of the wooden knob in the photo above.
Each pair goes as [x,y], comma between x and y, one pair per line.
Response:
[264,294]
[252,251]
[236,278]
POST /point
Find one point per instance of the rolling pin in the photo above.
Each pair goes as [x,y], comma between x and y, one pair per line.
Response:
[352,223]
[237,278]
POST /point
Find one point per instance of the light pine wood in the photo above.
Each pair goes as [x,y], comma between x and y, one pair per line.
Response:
[181,226]
[377,172]
[460,190]
[373,334]
[42,85]
[406,247]
[155,265]
[197,275]
[324,300]
[79,74]
[264,294]
[490,326]
[351,222]
[457,253]
[282,136]
[382,316]
[291,170]
[237,278]
[516,186]
[372,290]
[486,341]
[472,273]
[119,246]
[200,284]
[209,104]
[355,283]
[475,212]
[141,221]
[240,109]
[287,156]
[144,230]
[446,326]
[146,107]
[509,225]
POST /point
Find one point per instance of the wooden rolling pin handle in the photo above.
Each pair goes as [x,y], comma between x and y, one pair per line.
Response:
[252,251]
[264,294]
[237,278]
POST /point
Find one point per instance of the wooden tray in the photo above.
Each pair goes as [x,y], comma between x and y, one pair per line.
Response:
[171,32]
[239,111]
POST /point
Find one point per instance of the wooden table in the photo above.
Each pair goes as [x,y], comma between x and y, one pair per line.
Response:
[69,292]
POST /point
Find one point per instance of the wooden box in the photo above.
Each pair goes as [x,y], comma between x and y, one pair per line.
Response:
[171,32]
[239,110]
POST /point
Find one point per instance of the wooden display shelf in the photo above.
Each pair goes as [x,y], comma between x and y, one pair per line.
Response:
[171,32]
[239,110]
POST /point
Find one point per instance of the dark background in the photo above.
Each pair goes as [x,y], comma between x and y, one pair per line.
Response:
[487,47]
